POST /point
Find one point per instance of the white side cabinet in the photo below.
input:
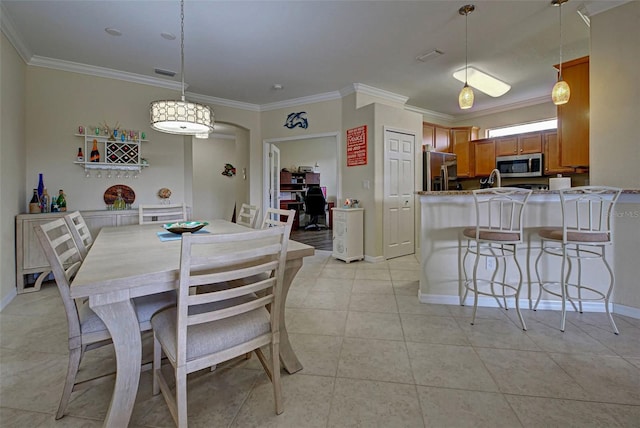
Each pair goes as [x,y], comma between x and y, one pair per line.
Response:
[348,234]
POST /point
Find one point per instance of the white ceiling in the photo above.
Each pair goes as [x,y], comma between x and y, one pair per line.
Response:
[237,50]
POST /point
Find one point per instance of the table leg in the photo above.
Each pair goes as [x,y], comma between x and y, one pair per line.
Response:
[120,318]
[287,356]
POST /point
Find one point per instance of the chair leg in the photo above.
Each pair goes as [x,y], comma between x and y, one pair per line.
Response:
[608,295]
[75,355]
[157,364]
[181,396]
[563,288]
[537,267]
[475,285]
[517,296]
[466,276]
[275,375]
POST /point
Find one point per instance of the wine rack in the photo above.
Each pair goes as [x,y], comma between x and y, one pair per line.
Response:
[115,154]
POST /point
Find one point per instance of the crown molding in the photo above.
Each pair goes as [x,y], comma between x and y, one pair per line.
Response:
[506,107]
[326,96]
[370,90]
[222,102]
[436,114]
[9,30]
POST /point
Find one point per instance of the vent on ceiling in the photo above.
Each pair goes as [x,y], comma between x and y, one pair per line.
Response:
[433,53]
[165,72]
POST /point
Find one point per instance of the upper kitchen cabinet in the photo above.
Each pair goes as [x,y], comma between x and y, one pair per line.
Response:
[461,138]
[519,144]
[437,136]
[485,157]
[551,155]
[573,117]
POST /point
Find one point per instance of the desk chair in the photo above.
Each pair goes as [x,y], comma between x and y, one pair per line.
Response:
[248,215]
[150,214]
[80,232]
[215,325]
[85,329]
[585,234]
[315,207]
[496,235]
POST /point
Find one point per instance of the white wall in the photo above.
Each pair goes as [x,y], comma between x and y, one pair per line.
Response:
[13,190]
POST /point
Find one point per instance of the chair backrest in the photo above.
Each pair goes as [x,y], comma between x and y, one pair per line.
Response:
[248,215]
[65,260]
[501,209]
[150,214]
[588,210]
[241,258]
[273,217]
[314,201]
[80,232]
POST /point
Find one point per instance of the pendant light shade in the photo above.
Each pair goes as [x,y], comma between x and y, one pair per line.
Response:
[181,117]
[465,99]
[561,92]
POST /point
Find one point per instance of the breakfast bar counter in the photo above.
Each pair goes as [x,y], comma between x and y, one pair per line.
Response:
[444,214]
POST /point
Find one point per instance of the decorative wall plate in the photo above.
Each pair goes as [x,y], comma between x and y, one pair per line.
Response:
[127,194]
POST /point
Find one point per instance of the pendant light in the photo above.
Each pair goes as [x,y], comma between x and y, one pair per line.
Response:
[181,117]
[465,99]
[561,92]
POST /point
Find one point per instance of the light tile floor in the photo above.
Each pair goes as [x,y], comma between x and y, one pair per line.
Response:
[372,356]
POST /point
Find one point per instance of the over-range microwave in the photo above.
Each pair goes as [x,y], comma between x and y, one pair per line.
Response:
[520,165]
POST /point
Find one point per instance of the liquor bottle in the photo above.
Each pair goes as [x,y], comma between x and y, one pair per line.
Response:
[40,186]
[62,201]
[119,203]
[95,154]
[80,155]
[34,204]
[44,202]
[54,204]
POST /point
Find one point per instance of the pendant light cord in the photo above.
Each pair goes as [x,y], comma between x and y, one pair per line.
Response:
[182,45]
[466,46]
[560,69]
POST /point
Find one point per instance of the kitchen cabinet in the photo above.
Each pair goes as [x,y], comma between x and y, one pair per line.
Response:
[461,138]
[348,234]
[437,136]
[485,157]
[573,117]
[519,144]
[551,155]
[30,258]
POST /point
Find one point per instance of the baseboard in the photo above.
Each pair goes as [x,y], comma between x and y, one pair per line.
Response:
[544,305]
[371,259]
[8,298]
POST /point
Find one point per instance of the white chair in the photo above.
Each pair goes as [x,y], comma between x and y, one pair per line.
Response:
[497,233]
[216,325]
[80,232]
[273,217]
[86,329]
[585,234]
[150,214]
[248,215]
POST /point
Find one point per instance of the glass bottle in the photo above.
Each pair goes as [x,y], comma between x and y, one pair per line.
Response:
[95,154]
[45,201]
[62,201]
[40,186]
[34,204]
[80,155]
[54,204]
[119,203]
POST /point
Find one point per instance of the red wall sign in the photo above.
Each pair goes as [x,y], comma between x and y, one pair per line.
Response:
[357,146]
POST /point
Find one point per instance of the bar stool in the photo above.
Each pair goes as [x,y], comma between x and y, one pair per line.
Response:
[497,233]
[584,235]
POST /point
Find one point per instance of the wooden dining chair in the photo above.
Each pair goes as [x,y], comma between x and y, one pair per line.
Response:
[274,217]
[80,232]
[150,214]
[86,330]
[248,215]
[216,325]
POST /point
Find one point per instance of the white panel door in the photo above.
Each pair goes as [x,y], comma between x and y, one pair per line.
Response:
[274,176]
[398,218]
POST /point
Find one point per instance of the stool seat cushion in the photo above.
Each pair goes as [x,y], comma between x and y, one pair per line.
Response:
[486,235]
[574,236]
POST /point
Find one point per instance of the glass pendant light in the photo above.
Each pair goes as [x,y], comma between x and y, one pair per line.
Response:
[561,91]
[181,117]
[465,99]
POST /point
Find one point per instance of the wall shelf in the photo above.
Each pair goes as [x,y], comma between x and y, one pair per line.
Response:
[115,153]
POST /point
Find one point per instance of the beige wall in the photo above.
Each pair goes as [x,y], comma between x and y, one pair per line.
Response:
[12,161]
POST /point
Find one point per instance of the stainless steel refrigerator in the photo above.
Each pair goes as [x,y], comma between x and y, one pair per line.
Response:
[439,171]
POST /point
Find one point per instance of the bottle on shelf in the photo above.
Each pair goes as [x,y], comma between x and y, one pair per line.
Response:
[80,155]
[95,154]
[119,203]
[62,201]
[54,204]
[40,186]
[34,204]
[44,202]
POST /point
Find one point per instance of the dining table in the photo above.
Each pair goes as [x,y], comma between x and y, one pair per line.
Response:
[133,261]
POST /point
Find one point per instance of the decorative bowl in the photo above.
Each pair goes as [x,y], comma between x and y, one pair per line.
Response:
[185,226]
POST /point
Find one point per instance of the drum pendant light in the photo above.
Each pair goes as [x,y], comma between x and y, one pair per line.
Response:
[561,91]
[181,117]
[465,99]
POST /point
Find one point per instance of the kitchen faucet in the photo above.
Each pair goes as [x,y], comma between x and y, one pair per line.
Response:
[488,182]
